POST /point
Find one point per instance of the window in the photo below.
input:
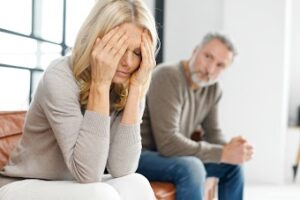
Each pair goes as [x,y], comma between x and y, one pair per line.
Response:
[19,16]
[32,34]
[14,87]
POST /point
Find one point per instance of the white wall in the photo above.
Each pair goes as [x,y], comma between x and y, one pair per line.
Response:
[186,22]
[151,5]
[294,97]
[254,103]
[255,97]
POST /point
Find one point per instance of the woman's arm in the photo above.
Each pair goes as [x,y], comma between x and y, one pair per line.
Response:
[84,140]
[126,146]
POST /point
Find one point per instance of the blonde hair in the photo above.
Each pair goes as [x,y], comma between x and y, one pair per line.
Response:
[105,15]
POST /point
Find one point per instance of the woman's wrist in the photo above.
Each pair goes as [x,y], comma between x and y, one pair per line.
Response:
[98,98]
[135,88]
[99,88]
[131,111]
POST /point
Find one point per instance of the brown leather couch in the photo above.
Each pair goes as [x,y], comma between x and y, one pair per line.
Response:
[11,127]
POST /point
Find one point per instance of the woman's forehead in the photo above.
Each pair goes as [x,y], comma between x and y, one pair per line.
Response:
[134,33]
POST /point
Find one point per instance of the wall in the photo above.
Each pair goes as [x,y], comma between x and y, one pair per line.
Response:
[255,101]
[294,97]
[151,5]
[186,22]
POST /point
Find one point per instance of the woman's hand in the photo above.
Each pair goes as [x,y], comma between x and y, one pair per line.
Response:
[142,76]
[105,56]
[104,59]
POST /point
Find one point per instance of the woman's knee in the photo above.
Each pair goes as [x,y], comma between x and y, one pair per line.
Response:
[133,187]
[48,190]
[96,191]
[139,179]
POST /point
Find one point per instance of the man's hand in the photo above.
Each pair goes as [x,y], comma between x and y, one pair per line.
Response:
[237,151]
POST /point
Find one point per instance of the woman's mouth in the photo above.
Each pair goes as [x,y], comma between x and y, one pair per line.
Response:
[122,74]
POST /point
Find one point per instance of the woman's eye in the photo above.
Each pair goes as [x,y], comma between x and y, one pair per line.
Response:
[137,53]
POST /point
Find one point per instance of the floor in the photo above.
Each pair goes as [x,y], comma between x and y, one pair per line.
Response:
[272,192]
[289,191]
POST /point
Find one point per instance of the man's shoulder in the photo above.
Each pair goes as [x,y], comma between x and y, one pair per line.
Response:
[167,71]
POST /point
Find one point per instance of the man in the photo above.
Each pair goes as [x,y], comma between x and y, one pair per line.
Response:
[182,141]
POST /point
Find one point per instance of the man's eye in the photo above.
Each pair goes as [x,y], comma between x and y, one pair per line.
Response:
[208,56]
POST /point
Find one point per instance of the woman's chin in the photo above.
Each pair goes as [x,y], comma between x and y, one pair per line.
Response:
[120,80]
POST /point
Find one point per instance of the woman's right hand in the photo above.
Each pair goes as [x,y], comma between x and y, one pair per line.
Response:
[105,56]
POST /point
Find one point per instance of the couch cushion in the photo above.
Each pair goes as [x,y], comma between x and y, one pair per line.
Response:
[11,128]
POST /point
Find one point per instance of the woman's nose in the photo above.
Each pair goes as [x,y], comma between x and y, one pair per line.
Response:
[126,59]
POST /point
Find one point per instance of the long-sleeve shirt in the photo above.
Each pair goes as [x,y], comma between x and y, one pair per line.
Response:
[61,143]
[174,111]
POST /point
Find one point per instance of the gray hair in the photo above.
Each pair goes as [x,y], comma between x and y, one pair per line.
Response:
[222,38]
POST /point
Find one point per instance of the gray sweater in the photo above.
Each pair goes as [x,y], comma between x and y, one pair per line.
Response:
[174,111]
[60,143]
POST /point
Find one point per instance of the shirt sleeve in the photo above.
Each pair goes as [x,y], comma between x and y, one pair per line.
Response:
[164,103]
[83,140]
[125,148]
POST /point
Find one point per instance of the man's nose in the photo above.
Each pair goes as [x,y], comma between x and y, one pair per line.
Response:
[212,69]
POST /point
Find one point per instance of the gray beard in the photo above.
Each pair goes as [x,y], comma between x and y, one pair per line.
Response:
[201,83]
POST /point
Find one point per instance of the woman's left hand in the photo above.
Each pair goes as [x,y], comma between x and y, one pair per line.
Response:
[142,76]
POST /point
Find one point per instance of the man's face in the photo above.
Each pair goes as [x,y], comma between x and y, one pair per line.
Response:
[211,60]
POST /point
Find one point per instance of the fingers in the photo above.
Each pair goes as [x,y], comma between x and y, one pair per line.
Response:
[240,139]
[147,51]
[100,43]
[148,45]
[248,156]
[110,34]
[122,47]
[248,151]
[111,43]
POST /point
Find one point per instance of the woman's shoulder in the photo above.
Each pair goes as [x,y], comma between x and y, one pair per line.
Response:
[59,76]
[59,70]
[61,64]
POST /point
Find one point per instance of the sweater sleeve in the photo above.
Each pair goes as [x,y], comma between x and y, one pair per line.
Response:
[164,102]
[125,148]
[83,140]
[213,133]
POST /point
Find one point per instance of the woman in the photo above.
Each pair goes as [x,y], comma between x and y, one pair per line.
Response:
[86,113]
